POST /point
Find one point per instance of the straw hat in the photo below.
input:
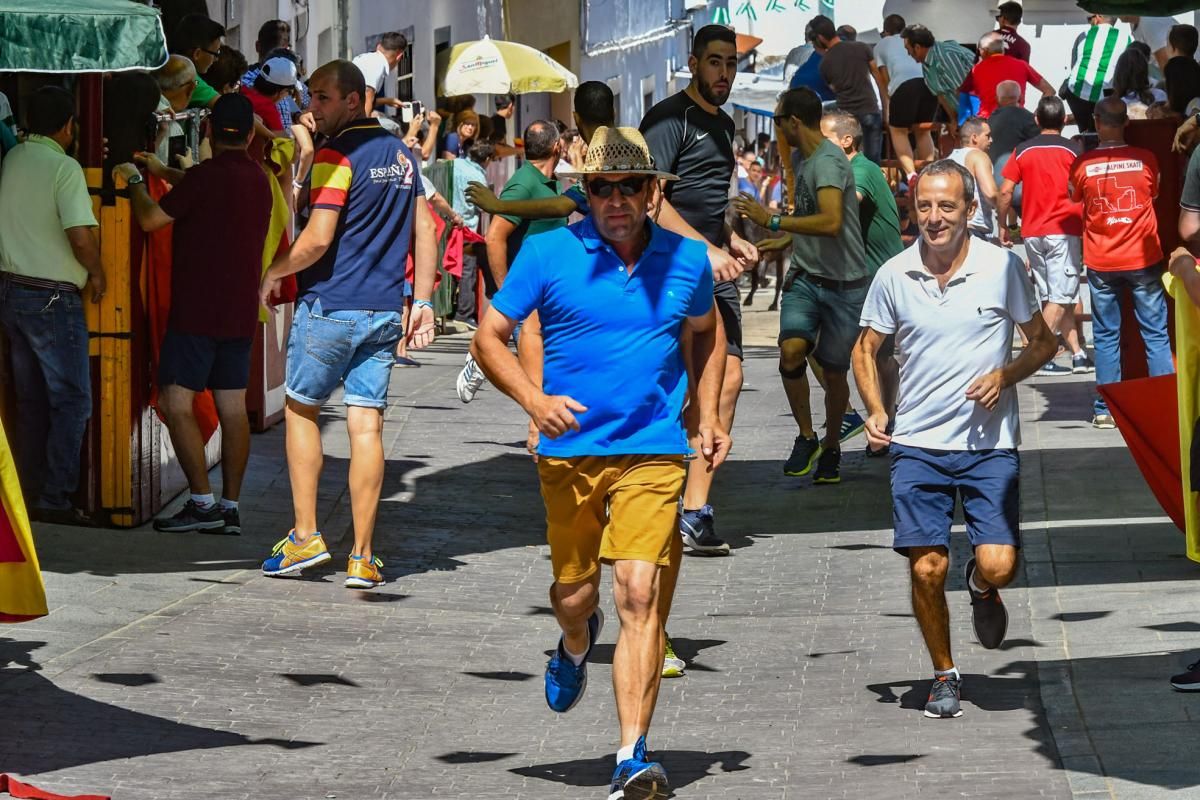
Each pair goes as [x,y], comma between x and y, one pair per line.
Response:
[618,150]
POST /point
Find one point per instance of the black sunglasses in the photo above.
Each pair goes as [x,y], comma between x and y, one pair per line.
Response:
[781,118]
[628,186]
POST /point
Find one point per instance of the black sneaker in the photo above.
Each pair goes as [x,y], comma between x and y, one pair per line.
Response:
[987,612]
[696,528]
[804,455]
[828,467]
[192,518]
[1188,681]
[944,696]
[233,522]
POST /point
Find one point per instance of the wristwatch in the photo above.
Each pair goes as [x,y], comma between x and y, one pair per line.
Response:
[774,223]
[135,178]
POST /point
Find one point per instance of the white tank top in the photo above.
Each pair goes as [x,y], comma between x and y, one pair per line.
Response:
[981,221]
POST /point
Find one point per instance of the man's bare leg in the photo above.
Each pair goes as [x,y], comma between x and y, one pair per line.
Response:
[305,457]
[903,149]
[365,426]
[837,400]
[700,477]
[176,404]
[637,660]
[928,567]
[235,440]
[792,355]
[574,604]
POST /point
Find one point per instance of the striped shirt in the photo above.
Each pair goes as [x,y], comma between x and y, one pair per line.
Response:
[947,65]
[1093,60]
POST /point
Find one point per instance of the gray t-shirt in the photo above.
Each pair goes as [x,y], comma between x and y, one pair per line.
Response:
[846,67]
[841,257]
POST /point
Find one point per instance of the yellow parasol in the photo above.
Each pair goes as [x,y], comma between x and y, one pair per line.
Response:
[493,66]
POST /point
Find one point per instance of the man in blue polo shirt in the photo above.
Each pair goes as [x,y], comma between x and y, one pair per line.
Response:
[351,259]
[615,294]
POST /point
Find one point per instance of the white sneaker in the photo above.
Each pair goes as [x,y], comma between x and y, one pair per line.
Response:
[1104,421]
[469,380]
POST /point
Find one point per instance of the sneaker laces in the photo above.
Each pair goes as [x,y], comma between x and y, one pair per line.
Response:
[944,687]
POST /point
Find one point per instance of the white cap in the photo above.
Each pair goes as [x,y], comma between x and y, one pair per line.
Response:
[280,71]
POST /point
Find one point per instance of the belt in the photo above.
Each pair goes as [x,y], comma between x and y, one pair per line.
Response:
[837,286]
[40,283]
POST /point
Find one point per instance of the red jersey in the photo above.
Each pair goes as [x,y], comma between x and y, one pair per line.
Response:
[1014,43]
[266,109]
[991,72]
[1043,166]
[1117,186]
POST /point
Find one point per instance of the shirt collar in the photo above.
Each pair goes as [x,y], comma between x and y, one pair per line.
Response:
[37,138]
[592,240]
[365,123]
[537,173]
[969,267]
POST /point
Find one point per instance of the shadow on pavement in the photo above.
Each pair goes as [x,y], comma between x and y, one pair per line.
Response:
[684,767]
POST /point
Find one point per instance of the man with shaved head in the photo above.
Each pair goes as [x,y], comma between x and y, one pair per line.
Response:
[1011,123]
[994,67]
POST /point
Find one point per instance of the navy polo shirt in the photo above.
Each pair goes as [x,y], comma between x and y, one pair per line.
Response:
[612,336]
[371,178]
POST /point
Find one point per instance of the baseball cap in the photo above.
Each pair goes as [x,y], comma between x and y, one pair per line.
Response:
[280,71]
[232,115]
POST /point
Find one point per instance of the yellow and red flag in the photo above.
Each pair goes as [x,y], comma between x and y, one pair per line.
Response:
[22,594]
[1187,365]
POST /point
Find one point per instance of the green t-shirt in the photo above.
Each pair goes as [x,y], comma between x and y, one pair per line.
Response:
[528,183]
[42,194]
[877,212]
[840,257]
[202,95]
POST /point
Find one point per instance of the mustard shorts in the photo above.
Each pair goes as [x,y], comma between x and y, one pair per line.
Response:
[609,508]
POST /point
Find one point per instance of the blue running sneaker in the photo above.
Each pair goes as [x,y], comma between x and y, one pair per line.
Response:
[639,779]
[852,425]
[566,682]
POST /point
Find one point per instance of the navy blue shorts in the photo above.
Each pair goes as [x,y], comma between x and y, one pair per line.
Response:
[926,484]
[204,362]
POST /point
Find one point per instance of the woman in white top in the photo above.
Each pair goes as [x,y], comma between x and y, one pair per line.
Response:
[1131,82]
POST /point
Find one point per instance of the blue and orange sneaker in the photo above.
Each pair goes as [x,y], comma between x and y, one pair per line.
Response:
[565,682]
[637,778]
[364,573]
[289,557]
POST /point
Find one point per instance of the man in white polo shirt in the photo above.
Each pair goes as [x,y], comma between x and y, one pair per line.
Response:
[377,65]
[952,300]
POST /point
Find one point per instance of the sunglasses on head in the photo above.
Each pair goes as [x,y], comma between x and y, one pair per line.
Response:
[628,186]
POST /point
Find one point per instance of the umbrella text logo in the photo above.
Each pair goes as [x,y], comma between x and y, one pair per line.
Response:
[480,62]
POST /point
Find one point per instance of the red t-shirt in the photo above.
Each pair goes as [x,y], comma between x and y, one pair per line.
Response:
[221,208]
[269,112]
[990,72]
[1043,166]
[1014,44]
[1117,186]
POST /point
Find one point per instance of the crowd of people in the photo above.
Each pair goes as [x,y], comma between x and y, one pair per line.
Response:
[612,257]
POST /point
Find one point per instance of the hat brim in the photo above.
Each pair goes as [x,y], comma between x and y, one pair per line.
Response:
[666,176]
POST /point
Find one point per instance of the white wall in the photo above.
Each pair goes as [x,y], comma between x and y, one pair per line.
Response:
[626,70]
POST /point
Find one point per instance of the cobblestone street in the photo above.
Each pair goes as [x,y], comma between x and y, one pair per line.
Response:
[170,668]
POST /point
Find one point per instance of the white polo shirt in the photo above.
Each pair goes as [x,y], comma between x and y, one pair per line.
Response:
[945,339]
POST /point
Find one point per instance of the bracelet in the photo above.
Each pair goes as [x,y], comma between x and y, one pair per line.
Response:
[423,304]
[298,184]
[774,223]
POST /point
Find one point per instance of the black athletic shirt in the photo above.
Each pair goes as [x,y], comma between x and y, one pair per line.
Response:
[698,147]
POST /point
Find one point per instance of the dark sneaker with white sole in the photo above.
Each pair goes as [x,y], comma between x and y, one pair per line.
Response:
[233,522]
[1082,365]
[192,518]
[1053,370]
[944,697]
[696,528]
[1188,681]
[987,612]
[804,455]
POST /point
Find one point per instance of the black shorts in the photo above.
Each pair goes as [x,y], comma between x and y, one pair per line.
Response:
[729,306]
[204,362]
[911,104]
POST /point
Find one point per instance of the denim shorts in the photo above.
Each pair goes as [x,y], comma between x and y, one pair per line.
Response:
[927,483]
[357,348]
[828,317]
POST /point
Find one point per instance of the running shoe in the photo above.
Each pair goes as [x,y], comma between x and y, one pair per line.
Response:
[363,573]
[1082,365]
[638,778]
[1188,681]
[696,528]
[804,455]
[987,612]
[944,697]
[1054,370]
[565,682]
[232,520]
[192,518]
[290,557]
[469,380]
[828,467]
[673,665]
[852,425]
[1104,421]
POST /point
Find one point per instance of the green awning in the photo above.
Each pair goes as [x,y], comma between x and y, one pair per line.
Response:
[1142,8]
[79,36]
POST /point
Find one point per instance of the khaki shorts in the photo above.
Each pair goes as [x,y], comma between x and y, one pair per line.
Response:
[609,508]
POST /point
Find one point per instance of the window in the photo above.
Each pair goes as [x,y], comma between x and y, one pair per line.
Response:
[404,67]
[647,93]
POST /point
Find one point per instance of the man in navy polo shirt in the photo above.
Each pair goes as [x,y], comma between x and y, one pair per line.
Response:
[952,301]
[615,294]
[351,258]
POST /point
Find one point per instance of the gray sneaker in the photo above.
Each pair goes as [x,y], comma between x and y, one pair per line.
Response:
[987,612]
[192,518]
[944,696]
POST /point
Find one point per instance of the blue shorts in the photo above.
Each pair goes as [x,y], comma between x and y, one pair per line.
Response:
[828,317]
[354,347]
[204,362]
[926,484]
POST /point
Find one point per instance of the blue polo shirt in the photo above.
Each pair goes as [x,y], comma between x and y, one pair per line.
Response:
[612,336]
[371,179]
